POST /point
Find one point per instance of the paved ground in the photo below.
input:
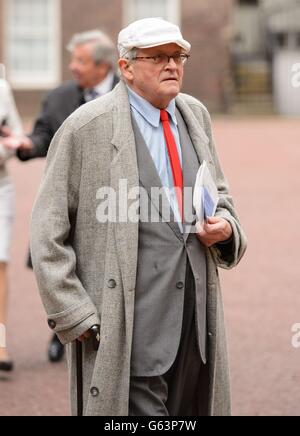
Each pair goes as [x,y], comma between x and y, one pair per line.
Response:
[261,159]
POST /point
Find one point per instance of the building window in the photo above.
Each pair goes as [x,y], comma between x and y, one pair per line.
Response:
[137,9]
[32,52]
[249,32]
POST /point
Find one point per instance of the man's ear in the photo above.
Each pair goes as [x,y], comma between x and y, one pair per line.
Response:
[126,69]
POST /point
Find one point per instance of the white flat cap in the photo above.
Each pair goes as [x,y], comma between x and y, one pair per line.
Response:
[150,32]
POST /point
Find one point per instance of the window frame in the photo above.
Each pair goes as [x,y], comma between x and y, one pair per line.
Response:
[173,11]
[34,81]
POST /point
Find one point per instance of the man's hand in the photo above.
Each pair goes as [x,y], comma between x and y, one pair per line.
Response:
[94,333]
[85,336]
[10,142]
[25,143]
[16,142]
[5,131]
[214,230]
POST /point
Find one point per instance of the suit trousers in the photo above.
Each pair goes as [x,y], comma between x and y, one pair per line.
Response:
[183,390]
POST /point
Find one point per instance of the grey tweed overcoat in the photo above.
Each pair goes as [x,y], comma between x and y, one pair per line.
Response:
[86,270]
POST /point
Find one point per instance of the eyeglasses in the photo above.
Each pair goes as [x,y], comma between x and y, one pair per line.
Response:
[164,59]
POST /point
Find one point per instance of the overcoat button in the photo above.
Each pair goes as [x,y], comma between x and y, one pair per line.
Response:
[94,392]
[52,324]
[180,285]
[112,284]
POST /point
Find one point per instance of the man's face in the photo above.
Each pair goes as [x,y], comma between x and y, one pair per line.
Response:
[157,83]
[85,72]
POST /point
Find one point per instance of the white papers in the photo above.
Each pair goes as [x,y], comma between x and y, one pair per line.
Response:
[206,197]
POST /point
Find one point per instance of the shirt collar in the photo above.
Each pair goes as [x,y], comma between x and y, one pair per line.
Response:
[106,85]
[147,110]
[103,87]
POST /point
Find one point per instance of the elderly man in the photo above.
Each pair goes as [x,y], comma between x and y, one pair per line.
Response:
[93,57]
[151,285]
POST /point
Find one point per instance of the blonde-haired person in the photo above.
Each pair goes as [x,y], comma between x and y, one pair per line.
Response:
[9,124]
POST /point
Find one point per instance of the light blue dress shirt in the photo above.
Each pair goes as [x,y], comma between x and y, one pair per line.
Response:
[150,126]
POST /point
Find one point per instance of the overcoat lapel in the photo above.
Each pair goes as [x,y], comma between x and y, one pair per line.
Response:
[197,134]
[190,169]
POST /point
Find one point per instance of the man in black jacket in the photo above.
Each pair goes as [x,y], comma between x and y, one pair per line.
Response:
[93,60]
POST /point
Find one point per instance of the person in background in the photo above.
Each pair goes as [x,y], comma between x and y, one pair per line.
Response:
[10,124]
[92,64]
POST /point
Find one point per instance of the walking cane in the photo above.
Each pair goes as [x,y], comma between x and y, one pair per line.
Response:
[95,331]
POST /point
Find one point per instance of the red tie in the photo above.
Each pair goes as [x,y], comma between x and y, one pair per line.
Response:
[174,159]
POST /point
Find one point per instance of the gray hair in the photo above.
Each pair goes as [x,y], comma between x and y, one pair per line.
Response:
[104,48]
[131,54]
